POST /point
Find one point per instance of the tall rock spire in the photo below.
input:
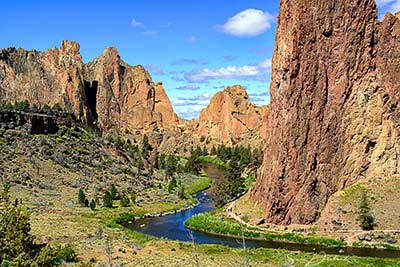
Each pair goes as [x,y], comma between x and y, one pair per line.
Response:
[334,114]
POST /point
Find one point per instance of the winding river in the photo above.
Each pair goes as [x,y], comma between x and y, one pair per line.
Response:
[172,227]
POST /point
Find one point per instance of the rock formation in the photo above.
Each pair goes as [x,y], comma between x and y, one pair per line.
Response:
[115,97]
[231,117]
[106,92]
[125,97]
[334,114]
[51,77]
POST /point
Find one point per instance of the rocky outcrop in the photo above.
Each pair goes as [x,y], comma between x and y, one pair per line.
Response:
[231,117]
[126,97]
[334,114]
[106,92]
[51,77]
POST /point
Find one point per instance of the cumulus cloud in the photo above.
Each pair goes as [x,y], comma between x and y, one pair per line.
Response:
[248,23]
[190,61]
[136,24]
[254,71]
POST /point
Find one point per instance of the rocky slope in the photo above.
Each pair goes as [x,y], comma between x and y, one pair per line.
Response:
[107,92]
[334,113]
[231,117]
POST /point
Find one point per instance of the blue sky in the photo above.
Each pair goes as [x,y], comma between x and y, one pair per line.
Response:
[195,47]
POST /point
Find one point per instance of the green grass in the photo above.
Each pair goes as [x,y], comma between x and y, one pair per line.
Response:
[213,160]
[210,223]
[201,183]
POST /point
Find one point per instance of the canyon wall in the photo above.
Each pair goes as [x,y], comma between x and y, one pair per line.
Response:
[334,114]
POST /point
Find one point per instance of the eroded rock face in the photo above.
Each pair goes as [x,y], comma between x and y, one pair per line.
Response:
[50,77]
[106,92]
[334,113]
[231,117]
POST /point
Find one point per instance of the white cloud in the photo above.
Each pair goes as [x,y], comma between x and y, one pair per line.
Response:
[248,23]
[136,24]
[253,71]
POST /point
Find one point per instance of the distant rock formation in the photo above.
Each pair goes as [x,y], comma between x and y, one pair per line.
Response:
[334,117]
[231,117]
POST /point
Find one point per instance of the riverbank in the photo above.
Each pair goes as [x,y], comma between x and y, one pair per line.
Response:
[215,222]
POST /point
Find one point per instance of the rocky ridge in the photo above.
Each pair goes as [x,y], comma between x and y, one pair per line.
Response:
[115,97]
[334,114]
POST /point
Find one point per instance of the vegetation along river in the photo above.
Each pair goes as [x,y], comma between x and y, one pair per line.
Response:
[172,227]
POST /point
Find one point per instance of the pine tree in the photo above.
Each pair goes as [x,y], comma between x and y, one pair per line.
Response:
[108,200]
[172,185]
[181,192]
[113,192]
[365,215]
[146,147]
[82,198]
[213,151]
[170,167]
[124,200]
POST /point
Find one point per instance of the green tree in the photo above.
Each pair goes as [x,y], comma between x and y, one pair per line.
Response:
[92,205]
[171,167]
[124,200]
[156,160]
[108,200]
[113,192]
[193,165]
[172,185]
[82,198]
[213,151]
[5,197]
[146,147]
[366,217]
[17,247]
[230,186]
[181,192]
[133,197]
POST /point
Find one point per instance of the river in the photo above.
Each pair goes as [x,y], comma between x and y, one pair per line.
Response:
[172,227]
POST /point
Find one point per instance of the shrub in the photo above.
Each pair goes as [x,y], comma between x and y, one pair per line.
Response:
[113,192]
[133,197]
[92,204]
[82,198]
[124,200]
[108,200]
